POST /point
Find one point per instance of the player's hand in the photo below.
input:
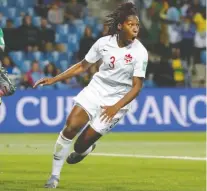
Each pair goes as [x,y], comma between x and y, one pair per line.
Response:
[44,82]
[108,113]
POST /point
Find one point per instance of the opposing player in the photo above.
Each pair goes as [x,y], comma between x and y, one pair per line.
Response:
[106,99]
[6,87]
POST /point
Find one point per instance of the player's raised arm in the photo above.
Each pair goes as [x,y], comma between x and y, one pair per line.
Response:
[91,57]
[77,69]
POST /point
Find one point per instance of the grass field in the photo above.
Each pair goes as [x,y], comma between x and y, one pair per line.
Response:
[143,162]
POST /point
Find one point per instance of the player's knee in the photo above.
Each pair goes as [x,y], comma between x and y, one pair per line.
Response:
[70,130]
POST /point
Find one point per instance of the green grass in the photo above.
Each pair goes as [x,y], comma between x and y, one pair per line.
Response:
[25,163]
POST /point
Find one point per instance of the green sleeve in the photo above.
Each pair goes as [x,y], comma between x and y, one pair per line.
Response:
[1,33]
[2,43]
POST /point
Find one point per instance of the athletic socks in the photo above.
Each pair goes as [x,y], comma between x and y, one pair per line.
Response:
[61,151]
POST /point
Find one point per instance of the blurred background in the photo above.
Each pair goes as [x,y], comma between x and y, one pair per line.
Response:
[45,37]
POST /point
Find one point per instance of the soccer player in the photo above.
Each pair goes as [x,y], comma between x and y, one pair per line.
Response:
[6,87]
[106,99]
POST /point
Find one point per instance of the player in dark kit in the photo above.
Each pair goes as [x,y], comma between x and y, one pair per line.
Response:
[107,98]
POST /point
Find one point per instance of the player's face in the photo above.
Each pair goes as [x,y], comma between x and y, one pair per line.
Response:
[130,28]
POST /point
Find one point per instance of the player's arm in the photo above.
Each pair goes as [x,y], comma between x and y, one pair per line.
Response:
[76,69]
[91,57]
[110,111]
[137,80]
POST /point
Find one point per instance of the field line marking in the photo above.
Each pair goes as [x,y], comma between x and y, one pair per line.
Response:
[149,156]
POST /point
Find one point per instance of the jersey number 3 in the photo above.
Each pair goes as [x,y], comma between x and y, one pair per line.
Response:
[111,65]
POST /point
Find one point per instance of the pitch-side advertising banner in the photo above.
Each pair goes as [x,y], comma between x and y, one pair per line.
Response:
[154,110]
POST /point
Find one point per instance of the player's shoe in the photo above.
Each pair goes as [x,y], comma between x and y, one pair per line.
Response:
[52,182]
[6,87]
[74,157]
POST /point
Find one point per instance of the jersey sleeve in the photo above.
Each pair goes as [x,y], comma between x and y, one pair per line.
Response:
[93,54]
[2,43]
[141,65]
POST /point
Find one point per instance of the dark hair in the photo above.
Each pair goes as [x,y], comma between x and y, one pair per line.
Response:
[54,72]
[9,21]
[10,60]
[24,18]
[35,62]
[119,16]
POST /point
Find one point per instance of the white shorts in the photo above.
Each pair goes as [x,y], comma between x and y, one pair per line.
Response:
[91,102]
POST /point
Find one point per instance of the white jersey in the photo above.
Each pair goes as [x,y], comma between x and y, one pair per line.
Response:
[119,65]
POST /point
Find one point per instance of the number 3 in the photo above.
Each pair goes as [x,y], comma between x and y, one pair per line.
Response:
[111,65]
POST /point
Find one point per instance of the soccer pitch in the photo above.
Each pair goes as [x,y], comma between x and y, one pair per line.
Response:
[121,162]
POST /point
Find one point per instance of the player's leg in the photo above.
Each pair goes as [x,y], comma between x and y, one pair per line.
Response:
[76,120]
[86,141]
[84,145]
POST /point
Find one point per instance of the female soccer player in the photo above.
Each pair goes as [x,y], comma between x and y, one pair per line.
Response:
[107,98]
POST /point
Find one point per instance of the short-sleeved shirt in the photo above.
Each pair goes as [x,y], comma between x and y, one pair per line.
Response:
[119,65]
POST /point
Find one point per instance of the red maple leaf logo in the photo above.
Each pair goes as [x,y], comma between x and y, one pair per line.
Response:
[128,58]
